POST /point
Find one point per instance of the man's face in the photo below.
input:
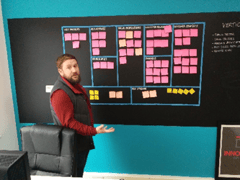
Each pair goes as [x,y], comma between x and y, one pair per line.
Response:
[70,71]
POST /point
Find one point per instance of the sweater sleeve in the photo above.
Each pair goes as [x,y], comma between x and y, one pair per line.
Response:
[64,110]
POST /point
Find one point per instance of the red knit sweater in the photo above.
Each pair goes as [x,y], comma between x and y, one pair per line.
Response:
[64,110]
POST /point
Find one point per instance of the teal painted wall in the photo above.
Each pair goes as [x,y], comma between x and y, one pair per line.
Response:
[154,150]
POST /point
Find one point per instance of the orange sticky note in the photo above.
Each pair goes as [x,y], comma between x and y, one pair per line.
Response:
[129,34]
[112,94]
[145,94]
[153,93]
[119,94]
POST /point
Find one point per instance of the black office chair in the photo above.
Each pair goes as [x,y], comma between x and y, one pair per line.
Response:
[51,150]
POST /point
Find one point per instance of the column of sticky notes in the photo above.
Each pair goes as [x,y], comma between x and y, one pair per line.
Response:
[75,38]
[157,71]
[94,94]
[98,41]
[130,43]
[103,65]
[157,38]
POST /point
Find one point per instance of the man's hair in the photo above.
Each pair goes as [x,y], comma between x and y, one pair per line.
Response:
[63,58]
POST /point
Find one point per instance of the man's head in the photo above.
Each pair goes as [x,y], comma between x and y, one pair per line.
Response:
[68,68]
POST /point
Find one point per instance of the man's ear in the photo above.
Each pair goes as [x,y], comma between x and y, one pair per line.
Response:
[60,71]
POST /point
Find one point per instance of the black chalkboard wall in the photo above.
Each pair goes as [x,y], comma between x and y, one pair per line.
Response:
[180,69]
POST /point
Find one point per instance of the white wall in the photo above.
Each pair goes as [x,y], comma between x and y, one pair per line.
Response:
[8,132]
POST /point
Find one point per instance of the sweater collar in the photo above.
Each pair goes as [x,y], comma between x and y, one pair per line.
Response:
[77,88]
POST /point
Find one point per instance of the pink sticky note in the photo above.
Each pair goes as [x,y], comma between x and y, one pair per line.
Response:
[137,34]
[130,43]
[96,65]
[185,69]
[185,61]
[149,71]
[157,33]
[194,32]
[68,37]
[74,36]
[110,65]
[138,43]
[130,51]
[123,60]
[157,42]
[193,61]
[82,36]
[177,60]
[102,35]
[149,64]
[150,51]
[164,79]
[122,52]
[103,65]
[178,42]
[168,29]
[177,52]
[186,32]
[165,63]
[178,33]
[165,34]
[149,33]
[95,43]
[157,63]
[94,35]
[165,43]
[156,71]
[149,43]
[185,52]
[75,44]
[193,52]
[177,69]
[149,79]
[95,51]
[187,41]
[121,34]
[156,80]
[193,70]
[102,43]
[164,71]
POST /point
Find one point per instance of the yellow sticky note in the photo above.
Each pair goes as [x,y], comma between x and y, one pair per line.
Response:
[153,93]
[186,91]
[129,34]
[145,94]
[112,94]
[192,91]
[96,92]
[119,94]
[169,90]
[180,91]
[91,97]
[91,92]
[175,91]
[122,43]
[138,51]
[96,97]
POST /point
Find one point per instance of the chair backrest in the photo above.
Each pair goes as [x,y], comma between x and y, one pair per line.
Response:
[51,149]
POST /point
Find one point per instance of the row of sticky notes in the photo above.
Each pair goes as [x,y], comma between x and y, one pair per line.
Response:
[182,41]
[130,43]
[99,43]
[156,79]
[157,63]
[159,32]
[116,94]
[129,34]
[103,65]
[94,94]
[185,69]
[180,91]
[157,43]
[185,61]
[156,71]
[75,36]
[185,52]
[99,35]
[130,52]
[149,94]
[186,32]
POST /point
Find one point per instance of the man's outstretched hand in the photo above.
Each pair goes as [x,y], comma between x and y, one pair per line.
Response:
[102,129]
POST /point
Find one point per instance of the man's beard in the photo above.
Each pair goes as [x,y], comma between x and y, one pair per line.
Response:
[74,81]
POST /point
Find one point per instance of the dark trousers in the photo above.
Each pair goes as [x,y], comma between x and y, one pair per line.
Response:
[81,160]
